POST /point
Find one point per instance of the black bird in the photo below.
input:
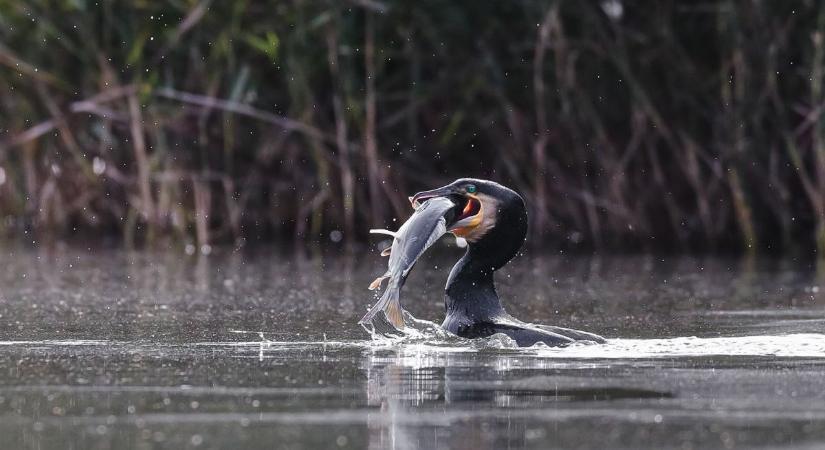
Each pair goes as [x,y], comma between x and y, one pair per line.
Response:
[493,220]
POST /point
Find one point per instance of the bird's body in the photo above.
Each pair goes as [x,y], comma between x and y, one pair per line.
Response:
[472,304]
[493,220]
[474,310]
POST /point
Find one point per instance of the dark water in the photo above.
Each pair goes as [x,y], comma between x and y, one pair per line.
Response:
[112,349]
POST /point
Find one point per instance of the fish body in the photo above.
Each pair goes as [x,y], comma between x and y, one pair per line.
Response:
[416,235]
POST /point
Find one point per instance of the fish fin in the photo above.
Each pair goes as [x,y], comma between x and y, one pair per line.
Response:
[382,231]
[393,313]
[386,251]
[376,283]
[390,305]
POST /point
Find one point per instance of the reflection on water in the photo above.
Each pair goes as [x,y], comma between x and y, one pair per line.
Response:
[432,397]
[108,349]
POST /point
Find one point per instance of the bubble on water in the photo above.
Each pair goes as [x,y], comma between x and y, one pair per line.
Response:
[336,236]
[189,249]
[540,344]
[498,341]
[206,249]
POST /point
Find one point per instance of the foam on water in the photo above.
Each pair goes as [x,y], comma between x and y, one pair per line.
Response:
[790,345]
[423,335]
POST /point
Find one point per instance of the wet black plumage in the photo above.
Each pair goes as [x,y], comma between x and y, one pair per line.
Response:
[473,307]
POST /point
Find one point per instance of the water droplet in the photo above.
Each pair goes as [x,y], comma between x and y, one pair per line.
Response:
[98,166]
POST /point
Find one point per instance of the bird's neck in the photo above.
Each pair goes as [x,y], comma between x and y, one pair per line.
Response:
[471,290]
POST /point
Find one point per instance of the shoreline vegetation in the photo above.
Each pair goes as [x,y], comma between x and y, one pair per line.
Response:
[674,126]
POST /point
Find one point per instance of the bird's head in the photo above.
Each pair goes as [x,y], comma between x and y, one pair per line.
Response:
[482,206]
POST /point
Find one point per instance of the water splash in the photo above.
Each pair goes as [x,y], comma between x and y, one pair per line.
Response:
[380,329]
[383,333]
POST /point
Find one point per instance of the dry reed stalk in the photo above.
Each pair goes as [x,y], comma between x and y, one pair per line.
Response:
[374,178]
[203,208]
[146,205]
[346,177]
[542,126]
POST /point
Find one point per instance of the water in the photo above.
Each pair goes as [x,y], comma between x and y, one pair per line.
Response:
[113,349]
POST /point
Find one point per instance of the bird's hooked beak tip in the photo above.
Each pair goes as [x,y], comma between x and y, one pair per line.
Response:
[419,198]
[413,202]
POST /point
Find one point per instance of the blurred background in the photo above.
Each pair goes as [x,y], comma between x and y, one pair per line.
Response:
[628,126]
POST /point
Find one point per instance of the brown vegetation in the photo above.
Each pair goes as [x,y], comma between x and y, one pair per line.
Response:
[666,125]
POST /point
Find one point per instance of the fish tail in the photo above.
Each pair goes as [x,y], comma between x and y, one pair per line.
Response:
[390,305]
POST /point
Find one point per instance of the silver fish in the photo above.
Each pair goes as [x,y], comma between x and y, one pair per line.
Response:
[416,235]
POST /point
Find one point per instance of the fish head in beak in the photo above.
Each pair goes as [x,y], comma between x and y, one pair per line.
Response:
[476,206]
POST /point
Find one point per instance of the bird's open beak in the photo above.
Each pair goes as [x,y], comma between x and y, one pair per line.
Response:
[469,208]
[469,217]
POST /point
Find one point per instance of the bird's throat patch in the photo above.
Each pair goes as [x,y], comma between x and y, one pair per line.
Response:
[474,226]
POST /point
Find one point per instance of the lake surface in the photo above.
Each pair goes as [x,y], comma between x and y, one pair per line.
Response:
[114,349]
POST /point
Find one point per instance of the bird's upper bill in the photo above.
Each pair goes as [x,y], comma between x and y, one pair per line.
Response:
[469,219]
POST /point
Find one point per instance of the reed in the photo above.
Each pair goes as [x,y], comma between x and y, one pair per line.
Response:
[683,126]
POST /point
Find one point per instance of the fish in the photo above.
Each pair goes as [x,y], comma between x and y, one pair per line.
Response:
[427,224]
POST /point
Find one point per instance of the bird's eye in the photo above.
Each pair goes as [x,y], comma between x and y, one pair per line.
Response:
[471,189]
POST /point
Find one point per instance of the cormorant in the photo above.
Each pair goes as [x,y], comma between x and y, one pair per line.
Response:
[493,220]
